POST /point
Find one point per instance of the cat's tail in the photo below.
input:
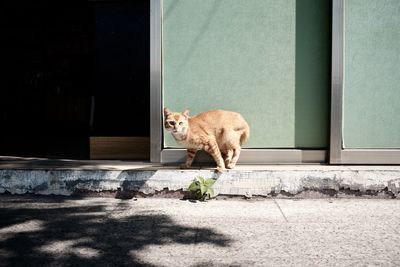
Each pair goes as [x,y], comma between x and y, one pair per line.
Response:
[243,138]
[245,135]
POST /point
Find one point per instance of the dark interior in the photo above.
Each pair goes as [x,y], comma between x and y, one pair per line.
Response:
[72,70]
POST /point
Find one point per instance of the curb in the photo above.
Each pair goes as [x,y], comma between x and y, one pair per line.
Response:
[285,181]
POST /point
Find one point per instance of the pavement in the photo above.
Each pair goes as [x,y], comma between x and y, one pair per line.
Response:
[68,231]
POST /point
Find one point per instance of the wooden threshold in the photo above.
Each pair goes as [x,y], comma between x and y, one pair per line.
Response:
[120,147]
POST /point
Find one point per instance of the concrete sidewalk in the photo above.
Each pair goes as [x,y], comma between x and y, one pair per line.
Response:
[69,177]
[60,231]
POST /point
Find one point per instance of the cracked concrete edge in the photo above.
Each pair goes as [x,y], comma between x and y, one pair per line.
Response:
[232,182]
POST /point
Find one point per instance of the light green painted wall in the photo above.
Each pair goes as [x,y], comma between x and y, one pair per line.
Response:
[372,74]
[267,59]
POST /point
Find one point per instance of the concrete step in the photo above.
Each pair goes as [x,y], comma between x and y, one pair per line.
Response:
[69,177]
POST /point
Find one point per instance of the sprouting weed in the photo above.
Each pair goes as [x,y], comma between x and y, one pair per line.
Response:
[202,188]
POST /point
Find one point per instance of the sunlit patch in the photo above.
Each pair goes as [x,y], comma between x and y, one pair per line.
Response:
[86,252]
[24,227]
[167,255]
[70,247]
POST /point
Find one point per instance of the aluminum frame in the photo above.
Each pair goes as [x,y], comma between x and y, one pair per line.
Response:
[156,136]
[254,156]
[159,154]
[339,155]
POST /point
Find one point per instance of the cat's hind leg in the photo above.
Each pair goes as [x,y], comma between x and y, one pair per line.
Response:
[213,150]
[235,157]
[228,157]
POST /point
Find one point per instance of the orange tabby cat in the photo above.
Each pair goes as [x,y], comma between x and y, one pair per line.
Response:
[220,133]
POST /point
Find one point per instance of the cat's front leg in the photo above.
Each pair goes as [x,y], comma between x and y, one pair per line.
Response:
[189,158]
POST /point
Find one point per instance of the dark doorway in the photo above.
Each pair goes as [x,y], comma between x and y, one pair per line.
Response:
[74,70]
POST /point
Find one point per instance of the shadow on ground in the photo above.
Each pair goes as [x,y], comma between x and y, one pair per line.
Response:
[26,163]
[61,233]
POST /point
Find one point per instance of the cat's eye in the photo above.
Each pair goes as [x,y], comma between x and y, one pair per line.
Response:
[181,123]
[171,123]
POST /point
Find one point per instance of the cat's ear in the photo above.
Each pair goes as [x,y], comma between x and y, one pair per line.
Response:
[167,112]
[186,113]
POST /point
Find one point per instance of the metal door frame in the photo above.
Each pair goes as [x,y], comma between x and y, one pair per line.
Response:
[339,155]
[167,155]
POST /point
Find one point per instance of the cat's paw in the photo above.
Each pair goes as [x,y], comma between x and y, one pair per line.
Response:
[220,169]
[184,166]
[227,162]
[230,166]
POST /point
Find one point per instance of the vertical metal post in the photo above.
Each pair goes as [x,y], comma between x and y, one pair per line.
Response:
[155,81]
[337,82]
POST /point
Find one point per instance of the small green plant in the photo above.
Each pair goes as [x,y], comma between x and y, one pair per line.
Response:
[202,188]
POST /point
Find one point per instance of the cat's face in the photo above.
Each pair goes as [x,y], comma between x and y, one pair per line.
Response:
[176,122]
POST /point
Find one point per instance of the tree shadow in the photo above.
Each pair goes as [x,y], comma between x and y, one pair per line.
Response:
[28,163]
[71,234]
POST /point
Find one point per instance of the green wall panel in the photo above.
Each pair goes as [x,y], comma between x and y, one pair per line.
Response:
[313,73]
[267,59]
[371,103]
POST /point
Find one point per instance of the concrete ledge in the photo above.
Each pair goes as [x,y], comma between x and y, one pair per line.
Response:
[266,180]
